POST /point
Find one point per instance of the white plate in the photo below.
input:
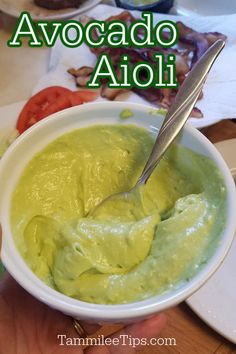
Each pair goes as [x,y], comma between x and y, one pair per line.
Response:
[206,7]
[215,302]
[15,7]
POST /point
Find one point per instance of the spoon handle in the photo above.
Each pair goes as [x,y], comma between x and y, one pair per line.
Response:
[180,110]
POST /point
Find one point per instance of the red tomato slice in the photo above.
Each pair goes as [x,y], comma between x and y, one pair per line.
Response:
[87,96]
[61,103]
[70,99]
[75,99]
[48,101]
[39,103]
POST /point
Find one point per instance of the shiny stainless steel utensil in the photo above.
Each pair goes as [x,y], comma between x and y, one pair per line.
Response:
[174,121]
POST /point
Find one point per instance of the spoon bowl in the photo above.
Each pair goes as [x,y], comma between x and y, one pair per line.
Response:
[123,206]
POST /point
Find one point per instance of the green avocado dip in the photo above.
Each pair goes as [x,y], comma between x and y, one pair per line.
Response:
[126,251]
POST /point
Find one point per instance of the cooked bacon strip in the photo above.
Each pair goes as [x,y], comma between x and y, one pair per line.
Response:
[151,94]
[196,113]
[197,43]
[181,59]
[110,93]
[73,72]
[189,36]
[124,16]
[83,71]
[182,66]
[82,75]
[85,19]
[81,81]
[200,41]
[212,37]
[167,97]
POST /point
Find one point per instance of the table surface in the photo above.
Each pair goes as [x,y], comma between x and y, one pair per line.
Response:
[20,69]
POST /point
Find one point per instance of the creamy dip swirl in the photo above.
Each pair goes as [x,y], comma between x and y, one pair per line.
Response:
[126,251]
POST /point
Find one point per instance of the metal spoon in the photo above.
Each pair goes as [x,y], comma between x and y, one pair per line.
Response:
[174,121]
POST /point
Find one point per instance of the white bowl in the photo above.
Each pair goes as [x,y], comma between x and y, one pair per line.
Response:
[33,141]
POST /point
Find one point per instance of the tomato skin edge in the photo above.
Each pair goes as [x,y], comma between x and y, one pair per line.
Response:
[35,100]
[88,96]
[48,101]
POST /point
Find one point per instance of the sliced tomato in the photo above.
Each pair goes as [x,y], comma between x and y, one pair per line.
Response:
[59,104]
[39,103]
[75,98]
[87,96]
[48,101]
